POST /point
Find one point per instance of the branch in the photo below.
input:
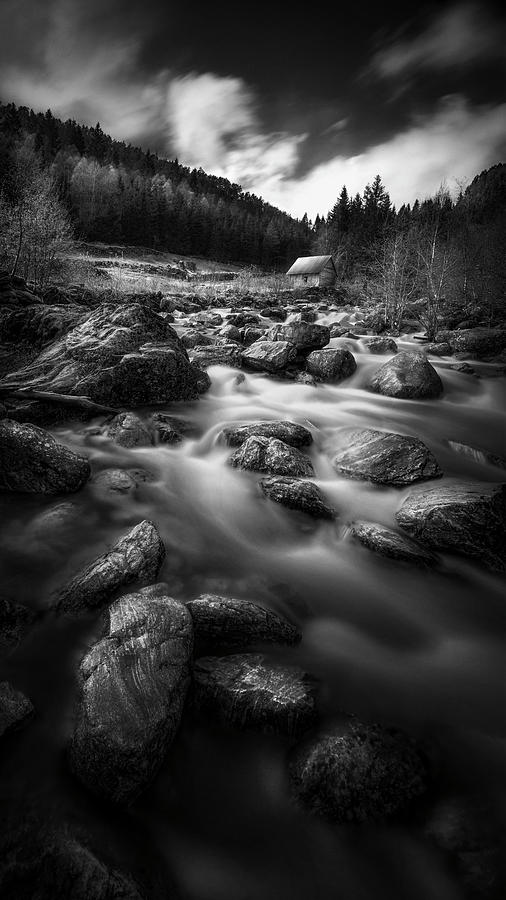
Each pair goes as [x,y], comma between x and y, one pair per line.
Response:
[63,399]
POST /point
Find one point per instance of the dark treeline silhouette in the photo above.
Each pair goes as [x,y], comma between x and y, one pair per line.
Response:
[119,193]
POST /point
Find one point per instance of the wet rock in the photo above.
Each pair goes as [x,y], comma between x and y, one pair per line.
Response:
[251,334]
[262,454]
[240,319]
[15,621]
[15,708]
[247,691]
[331,364]
[391,544]
[462,517]
[269,356]
[385,458]
[40,324]
[217,355]
[137,556]
[206,318]
[190,338]
[478,455]
[222,622]
[441,348]
[464,368]
[167,428]
[477,343]
[114,481]
[408,376]
[128,430]
[359,773]
[303,335]
[230,333]
[289,432]
[303,496]
[119,355]
[306,378]
[380,345]
[32,461]
[134,685]
[274,312]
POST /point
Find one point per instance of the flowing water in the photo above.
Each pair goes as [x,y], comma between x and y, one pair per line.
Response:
[391,643]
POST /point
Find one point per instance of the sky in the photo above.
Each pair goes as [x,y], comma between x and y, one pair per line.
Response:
[289,102]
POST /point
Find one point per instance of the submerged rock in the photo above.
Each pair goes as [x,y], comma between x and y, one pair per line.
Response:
[303,335]
[247,691]
[15,621]
[137,556]
[380,345]
[262,454]
[128,430]
[289,432]
[391,544]
[134,685]
[168,429]
[33,461]
[359,774]
[408,376]
[222,622]
[303,496]
[385,458]
[15,708]
[478,455]
[269,356]
[462,517]
[331,364]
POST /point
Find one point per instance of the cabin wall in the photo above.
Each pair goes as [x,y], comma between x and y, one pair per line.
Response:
[328,276]
[304,280]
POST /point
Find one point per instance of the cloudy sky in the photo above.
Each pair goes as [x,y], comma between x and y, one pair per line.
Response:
[290,104]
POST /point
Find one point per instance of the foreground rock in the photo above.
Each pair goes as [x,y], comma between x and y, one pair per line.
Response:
[358,774]
[32,461]
[385,458]
[302,496]
[222,622]
[331,364]
[391,544]
[289,432]
[134,686]
[247,691]
[120,355]
[39,324]
[303,335]
[269,356]
[128,430]
[137,556]
[216,355]
[462,517]
[262,454]
[15,708]
[408,376]
[380,345]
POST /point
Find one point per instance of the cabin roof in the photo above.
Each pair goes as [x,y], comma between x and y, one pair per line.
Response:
[309,265]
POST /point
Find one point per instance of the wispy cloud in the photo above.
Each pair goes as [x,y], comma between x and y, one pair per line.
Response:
[457,36]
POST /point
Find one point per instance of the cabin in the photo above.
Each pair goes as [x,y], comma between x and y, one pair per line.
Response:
[313,271]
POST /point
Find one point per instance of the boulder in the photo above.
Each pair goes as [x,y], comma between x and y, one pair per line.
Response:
[442,348]
[191,338]
[247,691]
[302,496]
[461,517]
[134,685]
[38,325]
[269,356]
[33,461]
[167,428]
[128,430]
[250,334]
[119,355]
[137,556]
[230,333]
[274,312]
[408,376]
[15,708]
[206,318]
[389,543]
[331,364]
[15,621]
[380,345]
[358,773]
[223,622]
[477,343]
[217,355]
[385,458]
[303,335]
[289,432]
[262,454]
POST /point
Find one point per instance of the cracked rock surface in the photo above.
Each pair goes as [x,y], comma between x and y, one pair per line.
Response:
[33,461]
[385,458]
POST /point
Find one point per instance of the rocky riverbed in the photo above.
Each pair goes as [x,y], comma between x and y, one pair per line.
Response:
[252,613]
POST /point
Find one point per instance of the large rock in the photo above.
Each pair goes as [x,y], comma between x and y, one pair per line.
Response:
[358,773]
[380,345]
[38,325]
[269,356]
[134,685]
[391,544]
[385,458]
[222,622]
[262,454]
[137,556]
[462,517]
[302,496]
[119,355]
[247,691]
[408,376]
[191,338]
[331,364]
[15,708]
[128,430]
[217,355]
[289,432]
[33,461]
[304,335]
[477,343]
